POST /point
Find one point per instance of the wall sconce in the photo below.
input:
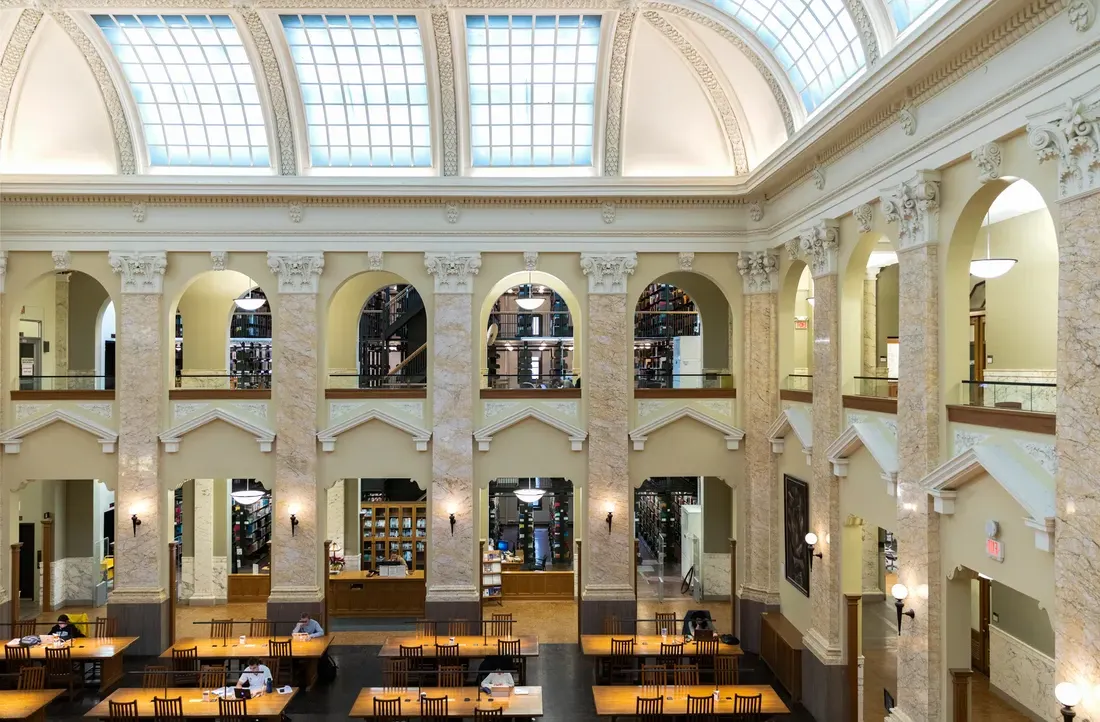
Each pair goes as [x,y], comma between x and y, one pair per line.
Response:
[900,592]
[610,515]
[134,518]
[811,542]
[1069,697]
[451,518]
[293,519]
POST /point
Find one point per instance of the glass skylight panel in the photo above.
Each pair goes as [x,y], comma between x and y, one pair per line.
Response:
[364,89]
[194,88]
[532,85]
[906,12]
[815,41]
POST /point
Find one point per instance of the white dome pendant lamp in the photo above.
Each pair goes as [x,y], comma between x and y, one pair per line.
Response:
[990,267]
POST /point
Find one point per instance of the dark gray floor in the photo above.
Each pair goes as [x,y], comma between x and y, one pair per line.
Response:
[564,675]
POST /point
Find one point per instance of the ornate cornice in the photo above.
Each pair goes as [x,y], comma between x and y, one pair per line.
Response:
[866,30]
[13,57]
[759,271]
[819,244]
[1070,136]
[142,272]
[453,272]
[124,138]
[620,47]
[915,206]
[276,92]
[297,272]
[607,272]
[444,55]
[988,159]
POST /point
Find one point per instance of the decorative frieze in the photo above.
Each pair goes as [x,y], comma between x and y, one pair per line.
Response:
[218,259]
[453,272]
[374,260]
[16,48]
[294,211]
[276,92]
[607,272]
[1082,14]
[865,217]
[819,244]
[530,260]
[756,211]
[907,116]
[620,44]
[817,174]
[444,65]
[915,206]
[141,271]
[607,211]
[62,261]
[454,212]
[759,271]
[137,211]
[1071,137]
[988,159]
[686,259]
[297,272]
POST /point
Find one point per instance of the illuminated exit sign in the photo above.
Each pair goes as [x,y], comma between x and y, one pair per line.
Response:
[995,549]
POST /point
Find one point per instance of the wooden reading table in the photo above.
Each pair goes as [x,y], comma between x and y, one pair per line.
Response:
[265,707]
[105,650]
[27,704]
[646,645]
[460,701]
[308,653]
[622,701]
[471,647]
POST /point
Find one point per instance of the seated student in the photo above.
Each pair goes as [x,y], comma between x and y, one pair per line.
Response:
[65,630]
[254,677]
[307,625]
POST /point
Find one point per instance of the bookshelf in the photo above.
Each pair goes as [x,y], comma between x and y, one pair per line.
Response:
[663,313]
[394,528]
[252,535]
[177,529]
[527,533]
[561,542]
[657,513]
[491,576]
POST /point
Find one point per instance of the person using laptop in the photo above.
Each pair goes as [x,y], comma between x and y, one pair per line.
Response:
[308,625]
[254,677]
[65,630]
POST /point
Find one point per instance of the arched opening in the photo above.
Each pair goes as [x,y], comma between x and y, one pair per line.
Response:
[869,317]
[671,349]
[529,338]
[796,323]
[216,535]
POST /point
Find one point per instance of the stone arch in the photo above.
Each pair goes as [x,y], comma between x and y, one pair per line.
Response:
[791,354]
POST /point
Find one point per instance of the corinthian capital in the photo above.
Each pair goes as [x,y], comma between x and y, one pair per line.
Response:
[759,271]
[607,272]
[915,206]
[1070,136]
[297,272]
[819,244]
[453,272]
[141,272]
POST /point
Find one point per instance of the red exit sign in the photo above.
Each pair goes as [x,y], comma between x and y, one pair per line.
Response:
[995,549]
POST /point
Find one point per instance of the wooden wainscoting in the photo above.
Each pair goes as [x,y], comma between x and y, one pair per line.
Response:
[248,588]
[548,586]
[781,650]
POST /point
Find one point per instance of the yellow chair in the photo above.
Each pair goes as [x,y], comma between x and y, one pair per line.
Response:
[80,621]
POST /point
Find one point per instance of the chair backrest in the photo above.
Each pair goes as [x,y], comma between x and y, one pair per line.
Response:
[622,647]
[154,676]
[446,651]
[458,628]
[672,649]
[700,705]
[654,675]
[105,627]
[232,709]
[611,625]
[385,706]
[261,627]
[425,628]
[17,654]
[706,648]
[221,628]
[449,676]
[433,706]
[212,676]
[185,660]
[650,705]
[167,708]
[685,675]
[414,650]
[22,629]
[666,621]
[122,710]
[32,678]
[743,704]
[395,674]
[725,670]
[59,660]
[508,647]
[501,625]
[494,712]
[276,648]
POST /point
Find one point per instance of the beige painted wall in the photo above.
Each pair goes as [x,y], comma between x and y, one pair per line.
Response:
[714,312]
[86,298]
[793,603]
[530,449]
[664,454]
[886,319]
[375,450]
[206,307]
[344,312]
[802,356]
[38,457]
[38,303]
[863,493]
[1020,616]
[218,451]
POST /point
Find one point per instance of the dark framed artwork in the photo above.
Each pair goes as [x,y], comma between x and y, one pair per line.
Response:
[796,522]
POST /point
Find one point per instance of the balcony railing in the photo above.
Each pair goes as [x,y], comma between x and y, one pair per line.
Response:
[530,381]
[78,382]
[799,382]
[1018,396]
[882,387]
[661,380]
[548,324]
[376,381]
[224,382]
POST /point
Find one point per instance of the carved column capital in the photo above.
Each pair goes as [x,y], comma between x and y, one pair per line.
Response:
[297,272]
[1070,136]
[607,272]
[759,271]
[453,272]
[915,206]
[820,243]
[142,272]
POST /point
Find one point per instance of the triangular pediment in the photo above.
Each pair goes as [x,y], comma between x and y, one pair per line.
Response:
[733,434]
[420,436]
[793,419]
[484,436]
[879,441]
[13,438]
[171,438]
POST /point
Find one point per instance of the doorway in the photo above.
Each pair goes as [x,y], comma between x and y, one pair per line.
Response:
[667,530]
[980,588]
[27,561]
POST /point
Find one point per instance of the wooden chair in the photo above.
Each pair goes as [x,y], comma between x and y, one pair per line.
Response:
[667,621]
[221,628]
[649,709]
[433,709]
[282,662]
[450,675]
[60,670]
[511,648]
[410,651]
[414,656]
[32,678]
[704,654]
[232,710]
[261,628]
[105,627]
[725,670]
[395,674]
[425,628]
[672,652]
[16,658]
[24,628]
[494,712]
[654,676]
[458,628]
[121,710]
[700,708]
[446,651]
[621,664]
[746,708]
[154,677]
[185,661]
[611,625]
[167,709]
[500,625]
[387,709]
[211,676]
[685,675]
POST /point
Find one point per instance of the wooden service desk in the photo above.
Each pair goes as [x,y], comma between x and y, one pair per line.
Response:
[306,654]
[622,701]
[265,707]
[645,645]
[468,647]
[354,594]
[107,651]
[27,705]
[461,701]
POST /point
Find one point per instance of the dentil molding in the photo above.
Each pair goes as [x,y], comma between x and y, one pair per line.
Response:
[297,272]
[142,272]
[453,272]
[819,243]
[607,272]
[1070,136]
[759,271]
[915,206]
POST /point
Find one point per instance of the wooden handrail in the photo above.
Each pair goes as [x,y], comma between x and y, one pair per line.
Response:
[407,359]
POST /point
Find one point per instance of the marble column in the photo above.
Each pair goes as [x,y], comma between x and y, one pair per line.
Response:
[139,600]
[203,540]
[297,553]
[452,585]
[334,510]
[758,591]
[1071,138]
[61,325]
[870,322]
[914,206]
[823,669]
[871,564]
[608,585]
[5,495]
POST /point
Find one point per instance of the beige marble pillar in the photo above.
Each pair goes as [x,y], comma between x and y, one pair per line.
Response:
[61,327]
[202,519]
[297,553]
[453,584]
[139,600]
[870,322]
[1071,138]
[758,591]
[5,495]
[608,584]
[823,664]
[334,511]
[914,206]
[870,569]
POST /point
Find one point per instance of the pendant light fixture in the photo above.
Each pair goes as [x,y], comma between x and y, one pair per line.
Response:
[990,267]
[529,304]
[247,496]
[247,302]
[529,495]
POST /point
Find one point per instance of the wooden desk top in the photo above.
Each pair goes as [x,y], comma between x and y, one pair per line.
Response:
[361,576]
[266,705]
[254,647]
[645,645]
[90,647]
[622,701]
[460,701]
[21,705]
[468,647]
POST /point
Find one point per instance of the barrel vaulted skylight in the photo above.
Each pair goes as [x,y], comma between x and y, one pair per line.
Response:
[815,41]
[532,85]
[193,87]
[907,12]
[364,89]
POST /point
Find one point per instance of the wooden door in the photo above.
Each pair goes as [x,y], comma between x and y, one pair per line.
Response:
[977,358]
[28,564]
[979,648]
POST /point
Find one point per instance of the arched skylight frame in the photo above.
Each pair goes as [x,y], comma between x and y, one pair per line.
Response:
[815,42]
[193,89]
[343,130]
[908,14]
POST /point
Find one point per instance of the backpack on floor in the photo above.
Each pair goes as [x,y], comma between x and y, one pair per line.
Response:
[326,670]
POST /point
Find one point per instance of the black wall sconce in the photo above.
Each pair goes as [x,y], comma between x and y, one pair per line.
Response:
[610,516]
[451,518]
[900,592]
[1069,697]
[293,519]
[135,520]
[811,542]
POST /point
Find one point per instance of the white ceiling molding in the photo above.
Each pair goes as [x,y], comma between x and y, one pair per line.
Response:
[106,437]
[878,440]
[171,438]
[796,420]
[1022,477]
[420,436]
[613,130]
[484,436]
[279,116]
[733,435]
[444,59]
[14,51]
